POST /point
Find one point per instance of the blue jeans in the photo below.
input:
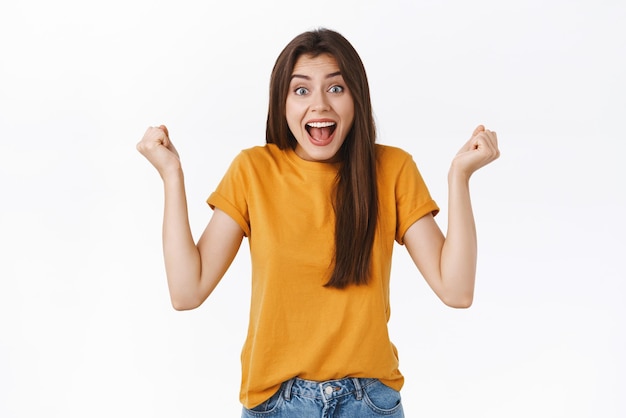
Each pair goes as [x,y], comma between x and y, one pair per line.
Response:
[344,398]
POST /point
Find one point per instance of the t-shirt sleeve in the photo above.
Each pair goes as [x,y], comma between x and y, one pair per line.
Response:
[231,193]
[413,199]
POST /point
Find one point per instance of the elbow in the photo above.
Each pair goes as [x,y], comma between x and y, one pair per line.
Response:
[457,292]
[181,304]
[459,302]
[181,308]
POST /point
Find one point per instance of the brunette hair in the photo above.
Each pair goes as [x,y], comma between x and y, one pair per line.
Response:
[356,194]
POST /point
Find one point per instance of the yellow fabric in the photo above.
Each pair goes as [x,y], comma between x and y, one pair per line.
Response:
[298,327]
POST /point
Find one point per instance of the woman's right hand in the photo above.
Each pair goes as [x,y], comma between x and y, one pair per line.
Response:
[159,150]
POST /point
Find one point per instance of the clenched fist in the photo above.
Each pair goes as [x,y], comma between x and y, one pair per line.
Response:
[159,150]
[478,151]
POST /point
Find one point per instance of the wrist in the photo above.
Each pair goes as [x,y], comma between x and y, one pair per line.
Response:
[458,175]
[172,174]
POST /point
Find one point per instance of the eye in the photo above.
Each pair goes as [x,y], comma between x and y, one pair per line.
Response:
[335,89]
[301,91]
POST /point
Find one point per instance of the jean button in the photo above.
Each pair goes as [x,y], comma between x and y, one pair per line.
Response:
[329,390]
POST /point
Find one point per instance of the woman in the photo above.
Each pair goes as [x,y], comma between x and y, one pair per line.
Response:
[321,205]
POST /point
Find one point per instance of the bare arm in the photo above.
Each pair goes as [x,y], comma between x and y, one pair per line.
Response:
[193,271]
[449,263]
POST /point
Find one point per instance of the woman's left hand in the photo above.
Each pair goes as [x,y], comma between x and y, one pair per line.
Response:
[480,150]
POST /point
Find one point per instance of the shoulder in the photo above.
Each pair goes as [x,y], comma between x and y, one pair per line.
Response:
[260,151]
[395,165]
[260,156]
[388,156]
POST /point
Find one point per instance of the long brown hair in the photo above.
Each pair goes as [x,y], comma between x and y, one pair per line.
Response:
[356,194]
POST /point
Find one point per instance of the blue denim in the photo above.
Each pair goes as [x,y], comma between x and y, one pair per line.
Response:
[343,398]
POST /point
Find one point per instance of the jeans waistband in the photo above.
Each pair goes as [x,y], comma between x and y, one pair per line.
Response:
[326,390]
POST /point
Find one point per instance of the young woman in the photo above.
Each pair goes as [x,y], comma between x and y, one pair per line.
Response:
[321,205]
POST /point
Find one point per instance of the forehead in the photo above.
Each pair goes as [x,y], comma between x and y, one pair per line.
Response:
[307,63]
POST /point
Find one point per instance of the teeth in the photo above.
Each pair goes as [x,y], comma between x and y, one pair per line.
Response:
[320,124]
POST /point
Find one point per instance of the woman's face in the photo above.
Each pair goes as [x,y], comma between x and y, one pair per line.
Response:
[319,108]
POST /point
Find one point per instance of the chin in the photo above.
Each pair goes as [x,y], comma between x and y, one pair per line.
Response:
[323,155]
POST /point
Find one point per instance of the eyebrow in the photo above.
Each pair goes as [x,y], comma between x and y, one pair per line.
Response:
[306,77]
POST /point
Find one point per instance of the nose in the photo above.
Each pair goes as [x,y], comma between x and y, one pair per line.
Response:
[320,102]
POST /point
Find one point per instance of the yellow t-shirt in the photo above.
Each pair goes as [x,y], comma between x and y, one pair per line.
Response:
[298,327]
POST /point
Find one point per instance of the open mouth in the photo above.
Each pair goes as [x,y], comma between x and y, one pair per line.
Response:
[321,131]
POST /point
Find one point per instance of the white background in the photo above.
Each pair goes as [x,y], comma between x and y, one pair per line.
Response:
[86,327]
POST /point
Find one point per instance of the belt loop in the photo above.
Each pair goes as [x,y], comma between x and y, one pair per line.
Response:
[359,390]
[287,389]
